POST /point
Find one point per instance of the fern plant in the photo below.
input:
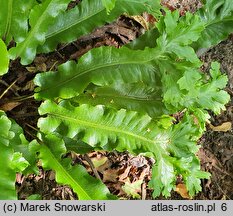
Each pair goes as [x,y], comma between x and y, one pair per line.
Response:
[113,99]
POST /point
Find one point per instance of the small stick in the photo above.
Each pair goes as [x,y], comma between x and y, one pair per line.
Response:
[143,191]
[7,89]
[32,127]
[22,98]
[87,158]
[30,134]
[53,65]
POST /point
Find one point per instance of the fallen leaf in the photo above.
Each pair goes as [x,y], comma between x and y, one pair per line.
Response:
[51,175]
[138,161]
[133,189]
[182,190]
[149,18]
[224,127]
[125,174]
[31,69]
[19,178]
[145,173]
[110,175]
[99,161]
[104,166]
[41,67]
[29,86]
[9,106]
[140,19]
[117,189]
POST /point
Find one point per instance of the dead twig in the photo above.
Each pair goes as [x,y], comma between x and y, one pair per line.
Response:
[86,157]
[7,89]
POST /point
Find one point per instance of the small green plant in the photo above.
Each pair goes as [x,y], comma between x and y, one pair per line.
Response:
[114,99]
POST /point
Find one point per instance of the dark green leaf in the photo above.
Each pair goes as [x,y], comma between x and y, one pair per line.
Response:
[136,97]
[41,17]
[218,18]
[101,66]
[4,60]
[87,16]
[86,186]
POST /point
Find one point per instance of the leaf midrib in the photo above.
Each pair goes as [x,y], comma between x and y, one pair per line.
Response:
[34,29]
[65,28]
[97,68]
[8,19]
[104,128]
[217,21]
[58,166]
[147,99]
[73,24]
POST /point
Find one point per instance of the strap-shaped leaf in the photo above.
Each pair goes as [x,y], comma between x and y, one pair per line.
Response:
[4,59]
[86,186]
[41,17]
[101,66]
[7,175]
[135,96]
[85,17]
[108,65]
[14,19]
[5,133]
[108,129]
[20,145]
[174,148]
[10,161]
[218,18]
[103,127]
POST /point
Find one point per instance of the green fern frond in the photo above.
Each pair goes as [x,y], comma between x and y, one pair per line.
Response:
[86,186]
[41,17]
[101,66]
[87,16]
[131,96]
[14,19]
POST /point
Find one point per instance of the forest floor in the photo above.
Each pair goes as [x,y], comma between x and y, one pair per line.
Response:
[117,169]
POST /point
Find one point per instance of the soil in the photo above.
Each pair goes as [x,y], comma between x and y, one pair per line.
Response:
[217,151]
[116,169]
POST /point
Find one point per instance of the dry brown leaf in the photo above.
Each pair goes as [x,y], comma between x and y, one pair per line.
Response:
[195,120]
[138,161]
[110,175]
[140,19]
[31,69]
[117,188]
[182,190]
[9,106]
[105,166]
[145,172]
[224,127]
[149,18]
[125,174]
[51,175]
[29,86]
[41,67]
[19,178]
